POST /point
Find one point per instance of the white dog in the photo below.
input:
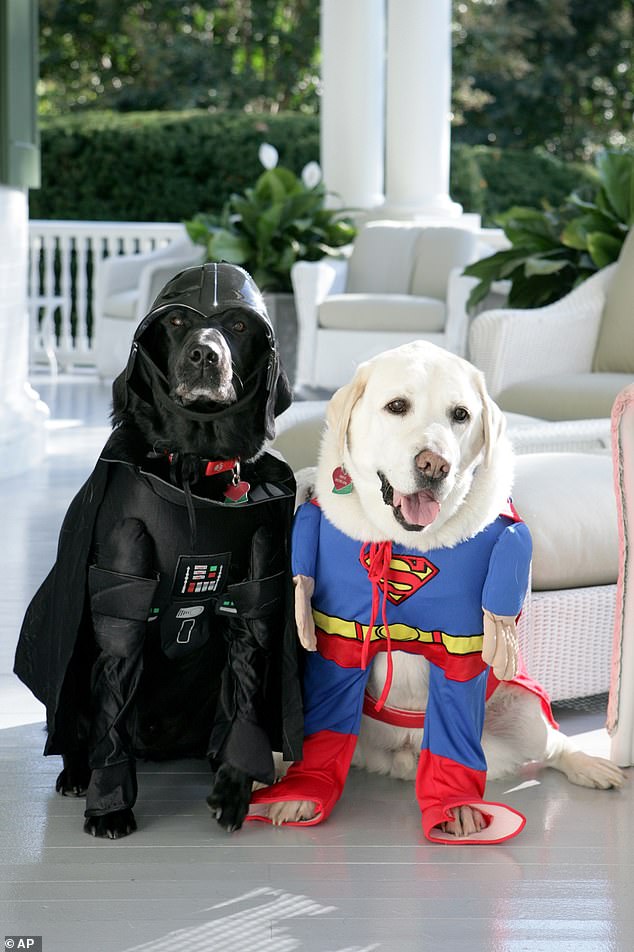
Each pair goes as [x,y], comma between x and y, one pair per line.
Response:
[420,460]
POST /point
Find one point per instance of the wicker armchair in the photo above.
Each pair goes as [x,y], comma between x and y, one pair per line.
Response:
[568,360]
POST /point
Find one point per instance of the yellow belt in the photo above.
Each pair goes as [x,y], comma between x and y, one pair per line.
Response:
[454,644]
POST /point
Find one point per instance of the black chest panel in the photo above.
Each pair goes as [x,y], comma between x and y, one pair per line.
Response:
[194,580]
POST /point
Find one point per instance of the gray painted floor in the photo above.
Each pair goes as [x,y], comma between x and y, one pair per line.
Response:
[365,880]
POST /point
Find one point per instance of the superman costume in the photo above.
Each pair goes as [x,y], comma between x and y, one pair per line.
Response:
[380,597]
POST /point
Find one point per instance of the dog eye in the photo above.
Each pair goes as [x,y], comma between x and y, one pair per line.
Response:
[460,415]
[239,326]
[398,406]
[176,319]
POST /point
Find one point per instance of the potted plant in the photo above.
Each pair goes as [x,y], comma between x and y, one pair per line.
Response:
[555,249]
[282,219]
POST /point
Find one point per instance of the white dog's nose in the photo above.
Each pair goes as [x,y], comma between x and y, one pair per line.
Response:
[432,464]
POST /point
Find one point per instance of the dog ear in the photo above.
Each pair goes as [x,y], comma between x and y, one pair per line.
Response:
[493,420]
[119,395]
[341,405]
[283,393]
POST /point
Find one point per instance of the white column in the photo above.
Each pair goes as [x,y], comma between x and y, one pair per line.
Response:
[418,91]
[22,413]
[352,101]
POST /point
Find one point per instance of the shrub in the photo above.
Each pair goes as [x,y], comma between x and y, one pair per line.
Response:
[159,166]
[507,177]
[167,166]
[554,250]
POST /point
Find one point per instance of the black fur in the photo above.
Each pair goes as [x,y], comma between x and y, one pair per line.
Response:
[209,365]
[144,423]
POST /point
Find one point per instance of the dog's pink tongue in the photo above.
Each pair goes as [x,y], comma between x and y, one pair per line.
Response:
[419,509]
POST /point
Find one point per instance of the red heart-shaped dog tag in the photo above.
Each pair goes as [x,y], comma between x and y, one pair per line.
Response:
[237,492]
[341,481]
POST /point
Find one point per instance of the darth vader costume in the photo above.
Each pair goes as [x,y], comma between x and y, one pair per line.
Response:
[165,627]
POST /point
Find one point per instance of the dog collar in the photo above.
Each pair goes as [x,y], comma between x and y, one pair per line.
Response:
[414,720]
[215,466]
[238,489]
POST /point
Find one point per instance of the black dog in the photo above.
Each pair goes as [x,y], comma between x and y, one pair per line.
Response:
[165,627]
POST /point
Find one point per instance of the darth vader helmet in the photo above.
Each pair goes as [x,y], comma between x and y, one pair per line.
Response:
[210,290]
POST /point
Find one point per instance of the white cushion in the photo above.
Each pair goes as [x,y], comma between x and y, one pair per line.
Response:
[123,304]
[437,251]
[567,501]
[382,312]
[382,258]
[299,445]
[582,396]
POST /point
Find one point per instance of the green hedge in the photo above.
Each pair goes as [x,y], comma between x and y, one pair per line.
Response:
[166,166]
[515,177]
[159,166]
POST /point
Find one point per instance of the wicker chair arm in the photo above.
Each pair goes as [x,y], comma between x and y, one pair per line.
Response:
[512,345]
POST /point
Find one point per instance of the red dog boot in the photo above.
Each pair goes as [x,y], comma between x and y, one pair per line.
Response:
[319,776]
[442,785]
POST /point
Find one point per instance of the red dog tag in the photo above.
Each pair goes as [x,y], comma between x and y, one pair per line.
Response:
[341,481]
[236,493]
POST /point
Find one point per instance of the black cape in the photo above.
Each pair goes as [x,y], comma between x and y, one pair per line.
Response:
[232,689]
[55,650]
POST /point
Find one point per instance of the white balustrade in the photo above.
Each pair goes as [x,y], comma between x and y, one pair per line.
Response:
[64,262]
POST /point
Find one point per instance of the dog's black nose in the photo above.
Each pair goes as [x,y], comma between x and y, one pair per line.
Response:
[203,354]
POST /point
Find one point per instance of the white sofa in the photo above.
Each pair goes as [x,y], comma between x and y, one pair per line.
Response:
[402,281]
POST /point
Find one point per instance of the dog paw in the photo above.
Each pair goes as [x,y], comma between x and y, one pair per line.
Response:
[74,779]
[467,820]
[404,764]
[112,826]
[590,771]
[291,811]
[229,797]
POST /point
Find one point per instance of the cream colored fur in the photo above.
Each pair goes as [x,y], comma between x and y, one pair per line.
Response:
[364,436]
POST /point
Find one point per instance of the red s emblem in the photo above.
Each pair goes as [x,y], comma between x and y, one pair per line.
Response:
[408,573]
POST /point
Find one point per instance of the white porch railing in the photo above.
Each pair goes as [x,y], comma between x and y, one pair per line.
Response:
[64,262]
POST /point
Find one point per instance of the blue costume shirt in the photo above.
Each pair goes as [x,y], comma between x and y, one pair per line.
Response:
[434,600]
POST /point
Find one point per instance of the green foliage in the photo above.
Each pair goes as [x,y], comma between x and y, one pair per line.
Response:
[550,73]
[556,74]
[159,166]
[528,177]
[270,226]
[129,55]
[554,250]
[166,166]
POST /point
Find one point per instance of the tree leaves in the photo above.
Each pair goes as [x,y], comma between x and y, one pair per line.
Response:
[556,73]
[172,54]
